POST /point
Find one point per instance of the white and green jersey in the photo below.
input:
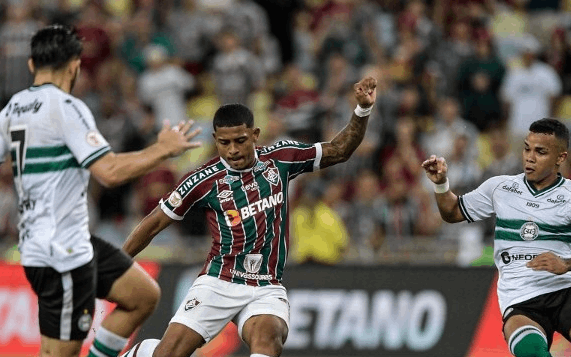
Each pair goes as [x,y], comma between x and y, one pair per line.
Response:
[528,222]
[52,139]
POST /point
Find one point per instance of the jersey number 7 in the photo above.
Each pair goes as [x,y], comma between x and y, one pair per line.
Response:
[18,146]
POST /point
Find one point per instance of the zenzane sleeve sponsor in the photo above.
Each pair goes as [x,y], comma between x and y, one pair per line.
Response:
[80,132]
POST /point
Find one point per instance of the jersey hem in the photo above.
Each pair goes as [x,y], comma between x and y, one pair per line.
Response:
[318,155]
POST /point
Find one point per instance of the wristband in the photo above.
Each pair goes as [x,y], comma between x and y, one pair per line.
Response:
[363,112]
[442,187]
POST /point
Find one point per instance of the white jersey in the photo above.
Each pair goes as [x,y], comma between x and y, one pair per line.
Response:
[52,139]
[528,222]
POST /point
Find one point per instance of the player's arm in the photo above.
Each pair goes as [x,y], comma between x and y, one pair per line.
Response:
[446,200]
[342,146]
[115,169]
[145,231]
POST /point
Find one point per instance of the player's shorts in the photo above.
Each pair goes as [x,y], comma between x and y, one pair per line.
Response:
[211,303]
[552,311]
[67,300]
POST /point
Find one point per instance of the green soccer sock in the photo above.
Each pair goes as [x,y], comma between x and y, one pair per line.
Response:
[528,341]
[106,344]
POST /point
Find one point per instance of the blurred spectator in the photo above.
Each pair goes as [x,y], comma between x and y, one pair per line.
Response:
[188,26]
[479,80]
[15,35]
[529,91]
[297,105]
[249,21]
[164,86]
[365,216]
[447,127]
[237,72]
[336,34]
[319,234]
[141,31]
[452,52]
[558,56]
[96,42]
[404,155]
[304,47]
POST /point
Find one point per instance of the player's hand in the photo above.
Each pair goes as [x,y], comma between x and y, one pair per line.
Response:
[548,262]
[366,92]
[177,140]
[436,169]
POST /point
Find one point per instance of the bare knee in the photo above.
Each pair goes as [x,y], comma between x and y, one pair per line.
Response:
[265,334]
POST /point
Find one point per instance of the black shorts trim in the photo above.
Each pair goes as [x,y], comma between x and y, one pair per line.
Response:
[67,300]
[552,311]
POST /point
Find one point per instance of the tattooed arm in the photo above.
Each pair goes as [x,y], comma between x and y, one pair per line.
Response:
[347,140]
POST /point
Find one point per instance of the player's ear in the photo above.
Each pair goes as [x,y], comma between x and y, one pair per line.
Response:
[561,158]
[31,66]
[256,134]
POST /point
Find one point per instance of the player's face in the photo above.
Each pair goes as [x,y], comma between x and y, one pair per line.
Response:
[236,145]
[542,155]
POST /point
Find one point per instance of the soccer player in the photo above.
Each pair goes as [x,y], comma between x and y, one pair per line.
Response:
[244,191]
[55,145]
[531,249]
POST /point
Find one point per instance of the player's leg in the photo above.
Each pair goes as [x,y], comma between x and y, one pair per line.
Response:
[125,283]
[525,337]
[66,305]
[263,324]
[208,306]
[265,335]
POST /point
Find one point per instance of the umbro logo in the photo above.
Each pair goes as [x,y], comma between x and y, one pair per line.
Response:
[225,196]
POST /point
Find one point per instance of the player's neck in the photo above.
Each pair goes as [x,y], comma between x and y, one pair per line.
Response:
[54,77]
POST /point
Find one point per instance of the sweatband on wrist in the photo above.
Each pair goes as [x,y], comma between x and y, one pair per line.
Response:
[442,187]
[363,112]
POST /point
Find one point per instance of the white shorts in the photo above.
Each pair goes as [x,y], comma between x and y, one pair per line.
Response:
[211,303]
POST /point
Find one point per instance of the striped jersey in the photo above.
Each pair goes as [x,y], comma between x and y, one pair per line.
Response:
[52,139]
[246,210]
[528,222]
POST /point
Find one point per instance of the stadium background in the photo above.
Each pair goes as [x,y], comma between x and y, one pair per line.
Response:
[372,268]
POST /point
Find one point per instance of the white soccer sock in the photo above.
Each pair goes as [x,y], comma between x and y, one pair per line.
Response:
[107,343]
[259,355]
[144,348]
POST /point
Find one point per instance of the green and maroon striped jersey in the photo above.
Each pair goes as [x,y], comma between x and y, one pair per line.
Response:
[246,210]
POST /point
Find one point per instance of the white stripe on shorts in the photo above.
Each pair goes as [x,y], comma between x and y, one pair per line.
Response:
[67,307]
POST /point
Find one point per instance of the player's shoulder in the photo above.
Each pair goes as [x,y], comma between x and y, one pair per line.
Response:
[505,182]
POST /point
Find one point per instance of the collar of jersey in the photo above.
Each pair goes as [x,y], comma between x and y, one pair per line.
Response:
[34,87]
[541,192]
[229,168]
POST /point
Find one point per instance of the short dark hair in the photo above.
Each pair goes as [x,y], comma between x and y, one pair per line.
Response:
[54,46]
[551,127]
[230,115]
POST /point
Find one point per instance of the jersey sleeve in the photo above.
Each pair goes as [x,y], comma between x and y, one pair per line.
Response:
[479,203]
[81,134]
[3,140]
[189,192]
[297,157]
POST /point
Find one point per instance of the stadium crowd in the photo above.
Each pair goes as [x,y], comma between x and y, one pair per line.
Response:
[456,78]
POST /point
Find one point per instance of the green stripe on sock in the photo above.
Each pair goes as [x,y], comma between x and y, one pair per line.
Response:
[104,349]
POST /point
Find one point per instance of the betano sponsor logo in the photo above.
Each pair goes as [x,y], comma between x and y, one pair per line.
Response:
[329,319]
[234,217]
